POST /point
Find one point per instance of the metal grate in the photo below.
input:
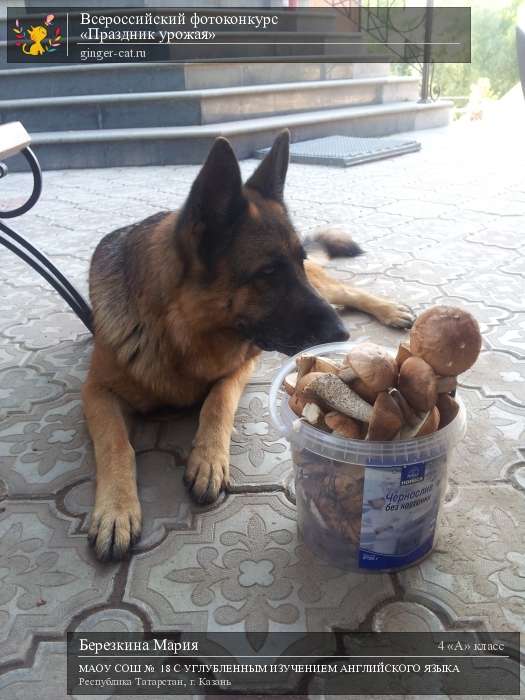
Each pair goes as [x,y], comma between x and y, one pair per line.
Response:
[343,151]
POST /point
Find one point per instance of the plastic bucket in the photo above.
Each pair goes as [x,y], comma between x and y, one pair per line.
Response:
[365,505]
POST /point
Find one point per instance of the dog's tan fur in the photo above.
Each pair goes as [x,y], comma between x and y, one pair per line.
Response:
[164,335]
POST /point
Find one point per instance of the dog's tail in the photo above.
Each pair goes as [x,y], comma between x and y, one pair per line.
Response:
[335,242]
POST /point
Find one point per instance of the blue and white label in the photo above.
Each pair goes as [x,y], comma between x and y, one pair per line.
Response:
[412,473]
[400,509]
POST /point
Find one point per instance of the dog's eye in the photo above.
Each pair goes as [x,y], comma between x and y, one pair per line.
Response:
[267,270]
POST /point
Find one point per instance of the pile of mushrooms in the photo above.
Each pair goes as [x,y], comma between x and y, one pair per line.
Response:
[373,396]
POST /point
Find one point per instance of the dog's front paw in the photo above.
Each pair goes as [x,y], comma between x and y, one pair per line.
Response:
[207,473]
[396,315]
[115,527]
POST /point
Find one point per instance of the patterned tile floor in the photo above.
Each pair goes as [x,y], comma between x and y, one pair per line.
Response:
[444,225]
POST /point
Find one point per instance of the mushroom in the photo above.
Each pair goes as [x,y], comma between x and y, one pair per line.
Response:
[431,423]
[364,391]
[313,414]
[403,353]
[448,409]
[420,385]
[410,417]
[322,364]
[446,337]
[386,419]
[336,394]
[290,382]
[343,425]
[297,403]
[304,364]
[372,365]
[303,385]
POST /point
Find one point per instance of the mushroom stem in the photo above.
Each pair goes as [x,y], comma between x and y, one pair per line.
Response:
[446,384]
[304,365]
[347,375]
[403,353]
[410,431]
[290,382]
[312,414]
[409,415]
[386,420]
[322,364]
[340,397]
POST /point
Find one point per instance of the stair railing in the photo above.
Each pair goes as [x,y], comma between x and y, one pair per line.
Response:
[376,19]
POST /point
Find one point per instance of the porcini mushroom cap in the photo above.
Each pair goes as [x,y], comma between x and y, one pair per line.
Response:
[373,365]
[343,425]
[364,391]
[418,384]
[446,337]
[386,420]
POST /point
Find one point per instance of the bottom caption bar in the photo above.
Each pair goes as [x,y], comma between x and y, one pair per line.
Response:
[283,663]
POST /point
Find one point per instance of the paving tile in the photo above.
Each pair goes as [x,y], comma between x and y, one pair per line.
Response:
[45,449]
[66,362]
[498,374]
[416,209]
[431,236]
[12,356]
[487,316]
[497,205]
[166,504]
[492,288]
[20,304]
[509,337]
[476,572]
[464,257]
[45,679]
[258,455]
[495,434]
[23,387]
[402,616]
[424,272]
[45,331]
[47,574]
[442,230]
[241,568]
[496,237]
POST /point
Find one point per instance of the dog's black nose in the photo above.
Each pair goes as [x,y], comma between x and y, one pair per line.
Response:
[334,332]
[341,335]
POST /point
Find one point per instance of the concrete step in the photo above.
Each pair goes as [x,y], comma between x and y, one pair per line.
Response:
[190,144]
[193,107]
[25,80]
[316,46]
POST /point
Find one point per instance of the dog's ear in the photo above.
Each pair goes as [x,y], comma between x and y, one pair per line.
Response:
[216,197]
[269,177]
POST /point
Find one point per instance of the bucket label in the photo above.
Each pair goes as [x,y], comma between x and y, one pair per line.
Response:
[400,510]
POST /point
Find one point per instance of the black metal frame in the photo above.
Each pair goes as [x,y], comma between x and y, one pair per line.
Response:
[34,257]
[375,19]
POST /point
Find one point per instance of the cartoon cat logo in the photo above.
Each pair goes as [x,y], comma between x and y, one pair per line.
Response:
[35,41]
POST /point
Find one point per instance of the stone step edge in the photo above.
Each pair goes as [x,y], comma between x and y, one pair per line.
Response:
[170,65]
[234,128]
[205,93]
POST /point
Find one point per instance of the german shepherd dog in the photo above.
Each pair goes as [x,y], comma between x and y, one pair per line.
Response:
[183,303]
